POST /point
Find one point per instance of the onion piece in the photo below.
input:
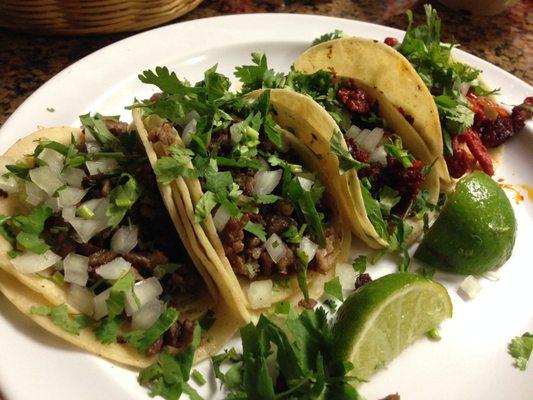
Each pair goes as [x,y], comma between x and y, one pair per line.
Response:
[98,207]
[73,176]
[346,275]
[235,131]
[353,132]
[34,194]
[87,228]
[125,239]
[308,247]
[379,155]
[103,165]
[51,202]
[260,294]
[370,141]
[68,213]
[8,184]
[53,159]
[305,183]
[70,196]
[146,316]
[266,181]
[186,118]
[93,147]
[81,298]
[189,129]
[46,179]
[146,291]
[275,247]
[29,263]
[100,306]
[470,286]
[221,218]
[76,269]
[114,269]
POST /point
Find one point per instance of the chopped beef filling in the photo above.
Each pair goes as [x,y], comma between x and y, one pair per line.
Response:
[165,134]
[355,99]
[178,336]
[99,186]
[362,280]
[4,194]
[116,127]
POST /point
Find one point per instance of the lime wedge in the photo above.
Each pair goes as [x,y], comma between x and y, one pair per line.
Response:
[476,230]
[382,318]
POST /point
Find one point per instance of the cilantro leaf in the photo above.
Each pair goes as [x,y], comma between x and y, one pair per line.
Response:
[122,199]
[34,222]
[326,37]
[168,377]
[257,230]
[32,242]
[359,264]
[346,161]
[520,349]
[59,317]
[258,76]
[167,81]
[20,170]
[373,211]
[204,206]
[96,126]
[142,340]
[334,288]
[108,330]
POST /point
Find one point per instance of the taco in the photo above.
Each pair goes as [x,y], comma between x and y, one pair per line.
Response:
[259,203]
[383,168]
[95,254]
[379,65]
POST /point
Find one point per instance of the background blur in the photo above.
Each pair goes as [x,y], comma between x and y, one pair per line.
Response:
[27,60]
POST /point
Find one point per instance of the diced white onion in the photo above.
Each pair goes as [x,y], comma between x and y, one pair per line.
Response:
[353,132]
[98,207]
[379,155]
[125,239]
[88,136]
[235,131]
[370,141]
[189,129]
[29,263]
[53,159]
[187,118]
[346,275]
[464,88]
[103,165]
[34,194]
[275,247]
[76,269]
[146,316]
[8,184]
[70,196]
[93,147]
[73,176]
[308,247]
[68,213]
[46,179]
[470,287]
[113,269]
[87,228]
[51,202]
[100,306]
[146,291]
[305,183]
[266,181]
[260,294]
[221,218]
[81,298]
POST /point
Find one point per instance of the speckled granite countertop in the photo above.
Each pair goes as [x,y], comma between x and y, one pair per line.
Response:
[26,61]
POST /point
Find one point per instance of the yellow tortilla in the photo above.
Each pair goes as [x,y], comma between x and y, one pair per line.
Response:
[380,66]
[314,127]
[187,193]
[27,290]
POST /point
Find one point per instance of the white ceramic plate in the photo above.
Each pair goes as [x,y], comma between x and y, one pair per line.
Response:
[471,361]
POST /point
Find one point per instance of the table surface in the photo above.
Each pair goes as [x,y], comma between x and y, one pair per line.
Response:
[27,61]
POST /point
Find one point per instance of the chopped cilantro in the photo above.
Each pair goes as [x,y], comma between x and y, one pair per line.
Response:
[334,288]
[165,269]
[169,376]
[373,211]
[108,330]
[20,170]
[97,128]
[122,199]
[59,317]
[346,161]
[282,307]
[520,349]
[331,304]
[204,206]
[359,264]
[50,109]
[326,37]
[257,230]
[258,76]
[142,340]
[198,377]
